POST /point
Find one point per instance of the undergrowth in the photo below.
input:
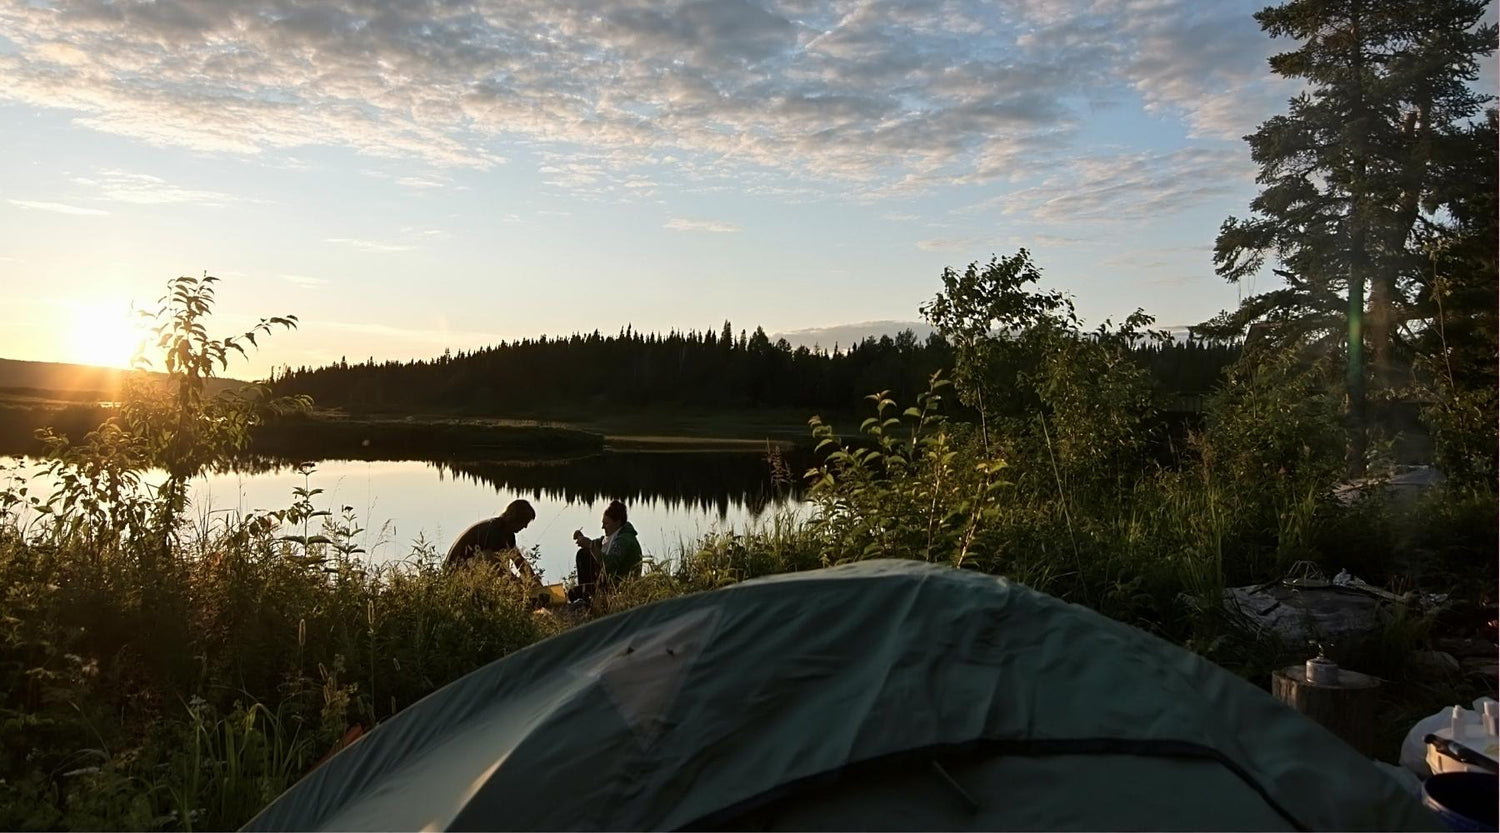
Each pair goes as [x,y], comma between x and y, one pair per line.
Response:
[157,673]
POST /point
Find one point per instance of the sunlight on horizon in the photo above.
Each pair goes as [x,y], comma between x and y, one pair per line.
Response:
[104,334]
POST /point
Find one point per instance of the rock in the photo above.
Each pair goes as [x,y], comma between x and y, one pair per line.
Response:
[1435,662]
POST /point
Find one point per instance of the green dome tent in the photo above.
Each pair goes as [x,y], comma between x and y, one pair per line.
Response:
[880,695]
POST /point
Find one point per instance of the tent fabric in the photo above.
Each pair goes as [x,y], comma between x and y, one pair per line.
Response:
[1082,792]
[878,695]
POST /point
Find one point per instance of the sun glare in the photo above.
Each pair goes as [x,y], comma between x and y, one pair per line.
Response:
[103,334]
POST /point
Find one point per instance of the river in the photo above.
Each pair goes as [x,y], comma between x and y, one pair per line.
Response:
[673,498]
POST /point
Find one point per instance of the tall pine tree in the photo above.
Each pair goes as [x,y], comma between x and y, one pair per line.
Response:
[1351,179]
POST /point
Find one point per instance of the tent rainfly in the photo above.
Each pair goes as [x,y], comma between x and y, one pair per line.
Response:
[884,695]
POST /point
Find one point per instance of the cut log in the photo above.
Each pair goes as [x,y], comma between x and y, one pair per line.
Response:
[1346,708]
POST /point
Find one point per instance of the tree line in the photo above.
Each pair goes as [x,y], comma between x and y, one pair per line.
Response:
[710,370]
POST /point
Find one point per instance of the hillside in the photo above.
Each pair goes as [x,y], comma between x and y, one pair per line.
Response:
[72,382]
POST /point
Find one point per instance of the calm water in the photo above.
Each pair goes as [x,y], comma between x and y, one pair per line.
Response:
[672,498]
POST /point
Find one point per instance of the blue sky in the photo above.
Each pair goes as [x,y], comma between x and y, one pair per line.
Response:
[409,176]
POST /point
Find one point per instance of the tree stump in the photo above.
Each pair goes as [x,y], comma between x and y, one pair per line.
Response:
[1346,708]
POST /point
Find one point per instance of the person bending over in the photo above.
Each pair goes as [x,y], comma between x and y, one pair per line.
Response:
[608,559]
[494,539]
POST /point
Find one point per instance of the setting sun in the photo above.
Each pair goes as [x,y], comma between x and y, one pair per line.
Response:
[103,334]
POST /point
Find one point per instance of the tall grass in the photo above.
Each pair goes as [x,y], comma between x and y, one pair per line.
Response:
[161,673]
[184,693]
[187,693]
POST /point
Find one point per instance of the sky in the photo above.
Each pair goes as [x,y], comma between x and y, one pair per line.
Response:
[407,177]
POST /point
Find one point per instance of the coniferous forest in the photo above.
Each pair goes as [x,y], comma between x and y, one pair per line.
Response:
[709,370]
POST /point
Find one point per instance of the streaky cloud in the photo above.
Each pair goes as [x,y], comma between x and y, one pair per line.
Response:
[59,208]
[710,226]
[369,245]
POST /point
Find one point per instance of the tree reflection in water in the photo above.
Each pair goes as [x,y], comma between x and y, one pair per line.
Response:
[710,482]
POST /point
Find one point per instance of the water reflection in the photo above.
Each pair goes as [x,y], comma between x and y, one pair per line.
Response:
[705,482]
[673,498]
[708,482]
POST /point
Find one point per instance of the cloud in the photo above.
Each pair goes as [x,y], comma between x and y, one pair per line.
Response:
[144,189]
[712,226]
[420,183]
[1129,186]
[886,97]
[948,244]
[1206,62]
[1159,257]
[59,208]
[640,183]
[369,245]
[420,231]
[1056,239]
[304,281]
[845,335]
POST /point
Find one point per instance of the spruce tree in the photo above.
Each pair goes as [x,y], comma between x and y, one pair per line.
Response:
[1350,179]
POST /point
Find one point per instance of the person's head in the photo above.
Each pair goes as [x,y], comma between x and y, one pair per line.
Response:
[518,515]
[614,517]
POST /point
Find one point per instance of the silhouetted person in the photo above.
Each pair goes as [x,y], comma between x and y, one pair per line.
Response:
[494,539]
[608,559]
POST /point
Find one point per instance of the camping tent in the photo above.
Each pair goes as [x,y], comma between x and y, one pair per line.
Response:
[880,695]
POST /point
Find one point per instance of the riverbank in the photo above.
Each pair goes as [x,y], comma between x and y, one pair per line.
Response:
[321,435]
[325,433]
[667,429]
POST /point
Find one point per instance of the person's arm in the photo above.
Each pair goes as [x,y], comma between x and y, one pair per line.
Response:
[623,557]
[523,567]
[593,545]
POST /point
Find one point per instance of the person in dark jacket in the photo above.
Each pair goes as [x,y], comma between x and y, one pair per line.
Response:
[494,539]
[608,559]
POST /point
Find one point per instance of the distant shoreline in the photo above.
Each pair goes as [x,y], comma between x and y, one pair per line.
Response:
[324,434]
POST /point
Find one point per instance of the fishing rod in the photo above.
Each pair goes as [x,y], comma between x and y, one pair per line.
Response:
[555,516]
